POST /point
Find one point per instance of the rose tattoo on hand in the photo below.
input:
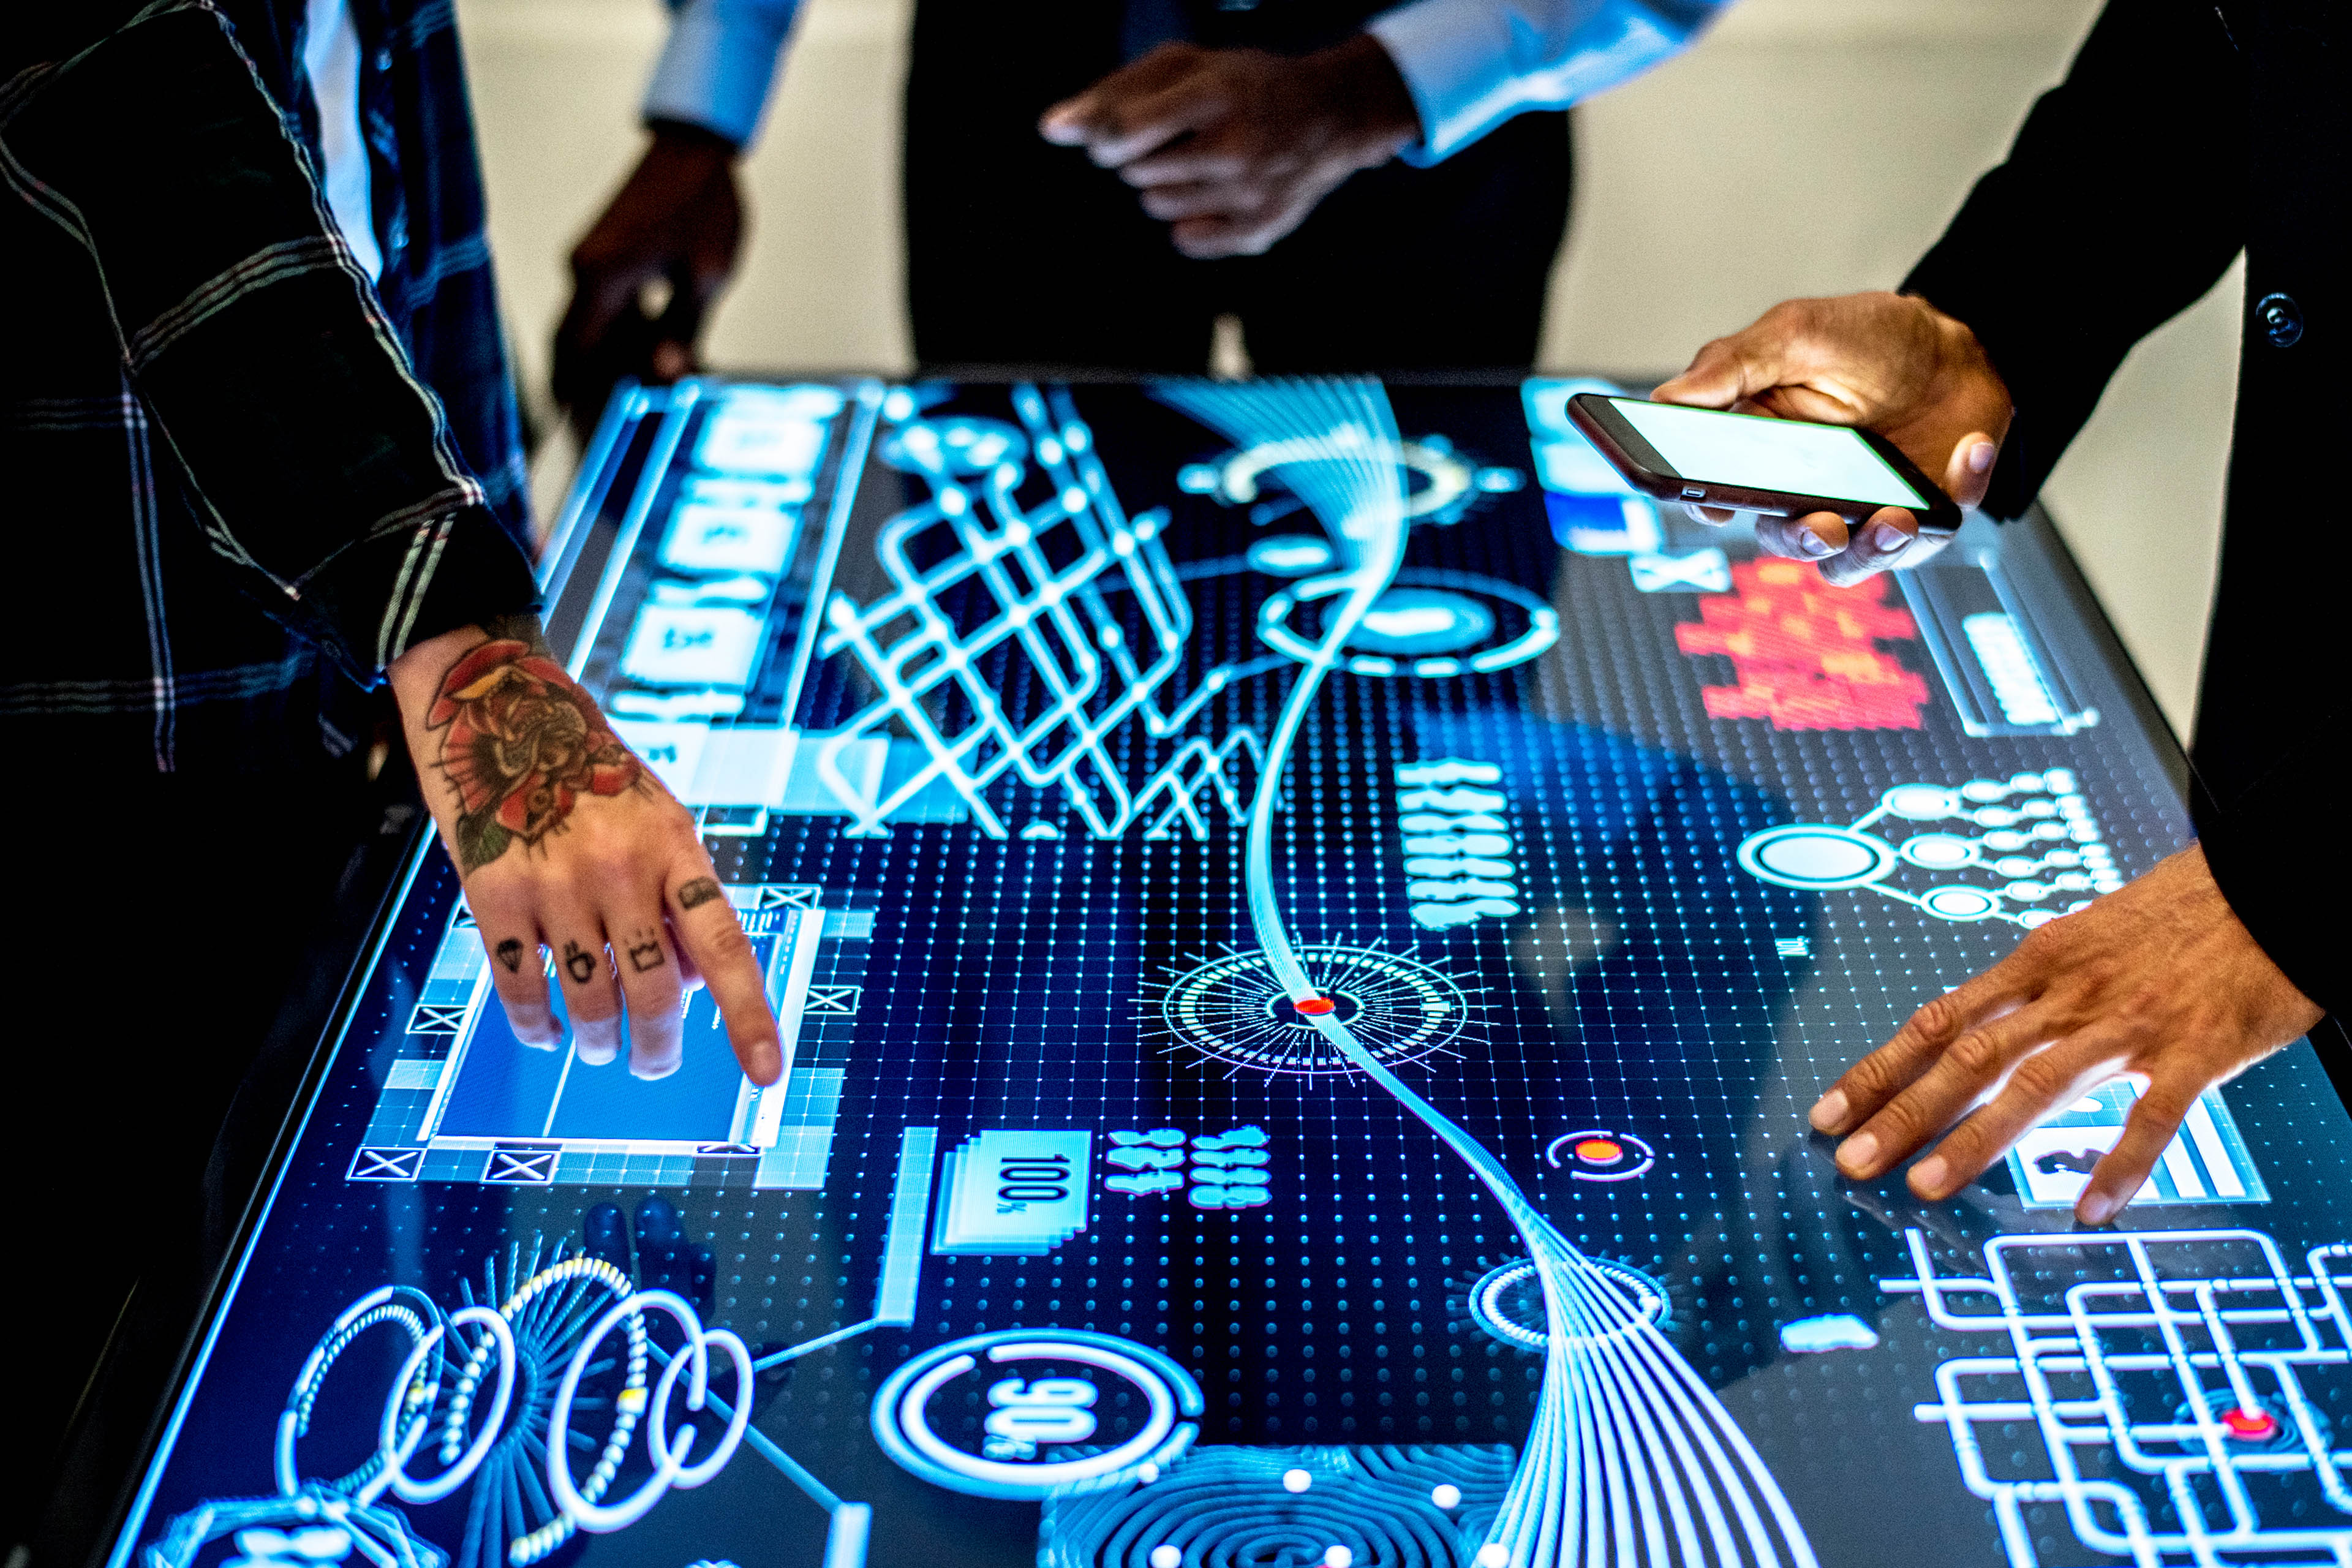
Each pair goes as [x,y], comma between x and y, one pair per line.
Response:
[521,743]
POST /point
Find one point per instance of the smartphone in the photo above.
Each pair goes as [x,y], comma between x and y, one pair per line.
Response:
[1746,462]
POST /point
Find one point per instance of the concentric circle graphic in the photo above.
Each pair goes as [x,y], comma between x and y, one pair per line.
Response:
[1233,1010]
[1040,1426]
[1508,1302]
[1601,1154]
[1428,624]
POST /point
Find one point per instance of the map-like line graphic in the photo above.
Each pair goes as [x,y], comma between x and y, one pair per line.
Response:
[1053,618]
[1631,1458]
[2196,1376]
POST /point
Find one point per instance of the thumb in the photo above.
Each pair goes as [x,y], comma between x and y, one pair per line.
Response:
[1968,475]
[1065,125]
[1727,371]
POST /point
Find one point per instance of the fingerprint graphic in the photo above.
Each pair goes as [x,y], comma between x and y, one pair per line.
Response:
[1426,1507]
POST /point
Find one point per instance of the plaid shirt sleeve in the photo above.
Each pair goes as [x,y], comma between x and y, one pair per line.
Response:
[250,353]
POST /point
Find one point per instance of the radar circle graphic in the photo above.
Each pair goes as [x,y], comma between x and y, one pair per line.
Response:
[1233,1010]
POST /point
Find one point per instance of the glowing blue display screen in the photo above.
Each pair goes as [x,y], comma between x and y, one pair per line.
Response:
[1305,922]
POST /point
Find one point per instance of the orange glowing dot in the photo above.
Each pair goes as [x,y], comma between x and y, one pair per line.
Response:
[1600,1151]
[1316,1006]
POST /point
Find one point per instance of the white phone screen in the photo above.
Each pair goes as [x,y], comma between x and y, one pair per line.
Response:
[1757,453]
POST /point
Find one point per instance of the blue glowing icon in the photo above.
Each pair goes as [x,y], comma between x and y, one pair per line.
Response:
[1831,1332]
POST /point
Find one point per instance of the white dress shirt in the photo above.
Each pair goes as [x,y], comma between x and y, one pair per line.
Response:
[1469,64]
[331,59]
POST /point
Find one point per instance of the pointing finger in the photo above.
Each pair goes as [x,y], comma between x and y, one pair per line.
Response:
[1963,1072]
[1877,1077]
[710,934]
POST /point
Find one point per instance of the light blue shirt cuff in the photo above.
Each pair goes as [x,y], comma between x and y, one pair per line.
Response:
[1472,64]
[720,63]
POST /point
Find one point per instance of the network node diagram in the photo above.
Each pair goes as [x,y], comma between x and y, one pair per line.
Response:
[2036,829]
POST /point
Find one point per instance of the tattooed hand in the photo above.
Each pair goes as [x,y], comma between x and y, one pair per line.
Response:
[521,742]
[581,869]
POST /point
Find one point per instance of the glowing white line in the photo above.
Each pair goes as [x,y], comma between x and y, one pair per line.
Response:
[1542,1509]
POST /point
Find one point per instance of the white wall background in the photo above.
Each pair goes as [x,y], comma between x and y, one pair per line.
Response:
[1804,147]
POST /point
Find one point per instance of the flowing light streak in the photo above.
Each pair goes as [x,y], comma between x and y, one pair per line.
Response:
[1631,1460]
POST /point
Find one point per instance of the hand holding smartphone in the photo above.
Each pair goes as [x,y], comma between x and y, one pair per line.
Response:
[1746,462]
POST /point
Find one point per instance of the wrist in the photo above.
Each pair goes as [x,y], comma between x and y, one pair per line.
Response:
[1963,364]
[685,138]
[416,675]
[1368,97]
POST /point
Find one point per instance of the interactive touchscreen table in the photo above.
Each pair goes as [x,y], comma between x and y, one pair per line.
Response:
[1305,921]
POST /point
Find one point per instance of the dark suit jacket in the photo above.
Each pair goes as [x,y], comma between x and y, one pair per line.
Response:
[2186,133]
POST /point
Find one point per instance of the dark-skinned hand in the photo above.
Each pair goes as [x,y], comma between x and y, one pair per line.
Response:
[2158,983]
[1889,363]
[1232,148]
[647,272]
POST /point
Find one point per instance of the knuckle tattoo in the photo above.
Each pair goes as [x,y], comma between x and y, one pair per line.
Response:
[579,962]
[697,893]
[510,953]
[644,950]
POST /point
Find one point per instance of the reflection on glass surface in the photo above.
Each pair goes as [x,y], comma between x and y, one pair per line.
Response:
[1304,921]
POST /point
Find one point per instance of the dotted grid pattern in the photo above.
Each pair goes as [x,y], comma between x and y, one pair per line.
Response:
[1651,989]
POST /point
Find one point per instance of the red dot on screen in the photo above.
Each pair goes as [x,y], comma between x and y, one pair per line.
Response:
[2253,1426]
[1315,1006]
[1600,1151]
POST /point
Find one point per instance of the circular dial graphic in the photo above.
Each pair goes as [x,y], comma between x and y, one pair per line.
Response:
[1065,1407]
[1233,1010]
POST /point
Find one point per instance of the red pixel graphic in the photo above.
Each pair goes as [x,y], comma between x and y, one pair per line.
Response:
[1805,653]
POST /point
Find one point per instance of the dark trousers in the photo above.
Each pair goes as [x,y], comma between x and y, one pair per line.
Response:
[167,935]
[1023,254]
